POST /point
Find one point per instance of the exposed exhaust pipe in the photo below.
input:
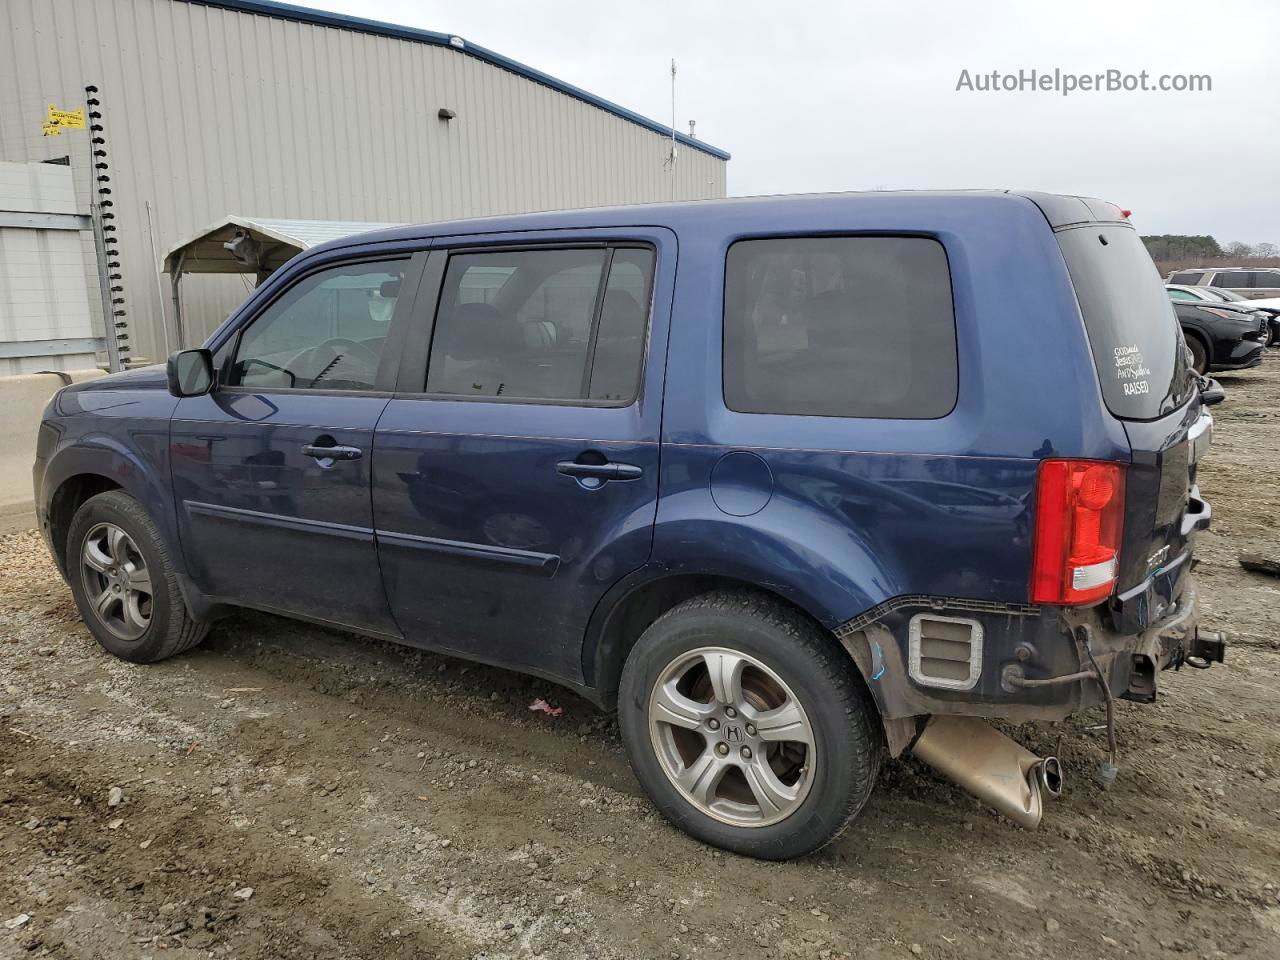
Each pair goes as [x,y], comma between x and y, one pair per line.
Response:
[992,767]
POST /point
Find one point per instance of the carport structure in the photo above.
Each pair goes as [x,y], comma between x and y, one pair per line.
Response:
[249,245]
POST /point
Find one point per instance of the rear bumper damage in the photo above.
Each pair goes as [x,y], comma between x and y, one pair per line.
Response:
[925,656]
[938,667]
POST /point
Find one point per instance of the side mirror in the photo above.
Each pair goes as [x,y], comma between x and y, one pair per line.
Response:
[190,373]
[1211,392]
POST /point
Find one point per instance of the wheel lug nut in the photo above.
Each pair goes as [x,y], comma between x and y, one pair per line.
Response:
[722,748]
[730,712]
[713,723]
[746,753]
[751,730]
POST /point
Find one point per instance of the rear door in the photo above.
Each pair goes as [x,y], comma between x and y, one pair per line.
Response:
[516,469]
[1147,384]
[271,471]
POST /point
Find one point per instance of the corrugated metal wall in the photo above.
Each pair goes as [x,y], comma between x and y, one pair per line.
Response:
[211,112]
[44,273]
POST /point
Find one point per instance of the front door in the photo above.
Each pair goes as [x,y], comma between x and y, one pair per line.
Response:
[271,470]
[516,471]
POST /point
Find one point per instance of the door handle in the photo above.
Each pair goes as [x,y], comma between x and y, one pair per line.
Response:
[332,453]
[599,471]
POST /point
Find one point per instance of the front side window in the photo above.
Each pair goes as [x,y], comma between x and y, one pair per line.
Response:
[840,327]
[1182,295]
[553,324]
[326,332]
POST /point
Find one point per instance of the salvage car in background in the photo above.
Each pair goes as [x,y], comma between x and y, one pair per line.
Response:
[734,500]
[1270,309]
[1221,337]
[1252,282]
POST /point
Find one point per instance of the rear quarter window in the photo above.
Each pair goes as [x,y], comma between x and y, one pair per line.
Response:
[1187,279]
[1133,330]
[839,327]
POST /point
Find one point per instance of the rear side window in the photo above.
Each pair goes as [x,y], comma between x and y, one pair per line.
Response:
[553,324]
[1133,331]
[1233,278]
[840,327]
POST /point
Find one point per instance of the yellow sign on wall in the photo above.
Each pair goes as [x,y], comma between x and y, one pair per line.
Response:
[60,120]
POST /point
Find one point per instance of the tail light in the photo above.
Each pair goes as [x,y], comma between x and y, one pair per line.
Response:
[1079,517]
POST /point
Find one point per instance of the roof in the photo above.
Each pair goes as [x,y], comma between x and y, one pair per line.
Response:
[783,212]
[341,21]
[277,241]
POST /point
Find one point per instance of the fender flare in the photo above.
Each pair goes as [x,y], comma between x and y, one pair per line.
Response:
[832,578]
[103,455]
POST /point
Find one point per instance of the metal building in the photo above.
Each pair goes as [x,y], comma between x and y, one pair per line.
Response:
[211,108]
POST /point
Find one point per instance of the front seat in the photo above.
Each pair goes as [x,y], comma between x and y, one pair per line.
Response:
[479,352]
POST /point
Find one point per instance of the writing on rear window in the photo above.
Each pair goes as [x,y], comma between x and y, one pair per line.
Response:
[1131,371]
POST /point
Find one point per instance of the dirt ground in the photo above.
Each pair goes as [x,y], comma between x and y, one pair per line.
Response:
[383,802]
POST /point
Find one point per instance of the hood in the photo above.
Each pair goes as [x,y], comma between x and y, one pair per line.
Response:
[140,378]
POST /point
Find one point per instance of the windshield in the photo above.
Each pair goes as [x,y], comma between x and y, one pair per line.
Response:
[1133,331]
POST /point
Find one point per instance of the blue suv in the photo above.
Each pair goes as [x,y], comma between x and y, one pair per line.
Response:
[794,483]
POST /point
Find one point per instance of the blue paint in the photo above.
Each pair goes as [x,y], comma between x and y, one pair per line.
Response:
[456,530]
[741,484]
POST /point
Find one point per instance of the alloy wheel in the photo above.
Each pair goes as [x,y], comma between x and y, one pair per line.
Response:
[117,583]
[732,737]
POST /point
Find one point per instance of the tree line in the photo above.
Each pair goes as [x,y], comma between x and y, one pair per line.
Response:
[1175,251]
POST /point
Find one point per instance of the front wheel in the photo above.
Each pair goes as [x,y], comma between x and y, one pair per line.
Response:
[748,727]
[124,583]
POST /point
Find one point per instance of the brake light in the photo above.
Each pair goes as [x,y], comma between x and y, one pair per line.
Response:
[1079,517]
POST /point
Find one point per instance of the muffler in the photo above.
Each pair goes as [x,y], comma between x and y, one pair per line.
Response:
[976,756]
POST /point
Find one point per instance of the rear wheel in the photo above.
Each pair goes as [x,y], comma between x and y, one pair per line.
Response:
[748,727]
[124,583]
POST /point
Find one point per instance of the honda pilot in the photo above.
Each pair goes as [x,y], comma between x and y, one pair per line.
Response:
[794,484]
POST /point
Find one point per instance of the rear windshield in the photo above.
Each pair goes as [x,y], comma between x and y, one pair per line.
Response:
[1133,331]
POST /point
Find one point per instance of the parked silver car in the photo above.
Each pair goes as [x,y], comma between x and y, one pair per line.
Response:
[1251,282]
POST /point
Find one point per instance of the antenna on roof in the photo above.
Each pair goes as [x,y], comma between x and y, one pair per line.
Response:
[672,159]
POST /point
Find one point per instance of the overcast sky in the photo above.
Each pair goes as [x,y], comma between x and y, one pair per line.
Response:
[857,95]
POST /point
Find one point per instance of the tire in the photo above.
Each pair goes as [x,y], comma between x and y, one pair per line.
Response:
[1199,355]
[113,550]
[793,678]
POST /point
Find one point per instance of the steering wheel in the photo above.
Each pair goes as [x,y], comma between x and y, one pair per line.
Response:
[340,348]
